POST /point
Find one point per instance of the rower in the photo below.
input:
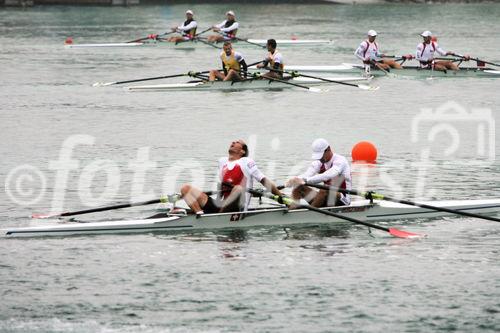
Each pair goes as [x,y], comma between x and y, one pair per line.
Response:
[329,168]
[273,60]
[187,29]
[425,55]
[236,173]
[368,52]
[233,65]
[227,29]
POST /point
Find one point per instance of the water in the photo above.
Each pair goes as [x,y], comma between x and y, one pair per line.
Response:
[265,279]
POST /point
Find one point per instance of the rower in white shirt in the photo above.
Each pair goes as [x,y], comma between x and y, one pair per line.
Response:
[236,174]
[369,52]
[233,65]
[273,60]
[328,168]
[425,54]
[187,29]
[227,29]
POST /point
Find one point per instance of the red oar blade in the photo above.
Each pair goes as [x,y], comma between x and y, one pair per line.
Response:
[44,216]
[405,234]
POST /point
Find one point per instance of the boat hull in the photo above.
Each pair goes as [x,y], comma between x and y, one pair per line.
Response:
[196,44]
[240,85]
[406,71]
[266,217]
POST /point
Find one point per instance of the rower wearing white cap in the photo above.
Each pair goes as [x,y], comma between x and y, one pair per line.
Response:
[368,52]
[425,54]
[329,168]
[187,29]
[227,29]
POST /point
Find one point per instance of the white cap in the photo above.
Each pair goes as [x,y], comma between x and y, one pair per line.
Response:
[230,13]
[426,33]
[318,147]
[372,33]
[189,11]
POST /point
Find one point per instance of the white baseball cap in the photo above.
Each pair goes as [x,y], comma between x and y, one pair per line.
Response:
[318,147]
[230,12]
[426,33]
[372,33]
[189,11]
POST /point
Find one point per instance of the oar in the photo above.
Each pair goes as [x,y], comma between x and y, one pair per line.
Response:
[151,36]
[103,84]
[476,59]
[290,83]
[360,86]
[382,69]
[164,199]
[372,195]
[208,29]
[252,43]
[288,201]
[208,43]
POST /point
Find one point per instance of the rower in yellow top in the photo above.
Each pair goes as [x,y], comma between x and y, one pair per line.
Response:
[233,65]
[425,55]
[187,29]
[227,29]
[368,52]
[273,61]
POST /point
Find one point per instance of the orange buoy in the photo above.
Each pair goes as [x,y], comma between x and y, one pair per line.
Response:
[364,151]
[68,40]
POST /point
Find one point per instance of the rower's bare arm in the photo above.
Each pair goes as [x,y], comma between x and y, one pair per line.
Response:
[271,186]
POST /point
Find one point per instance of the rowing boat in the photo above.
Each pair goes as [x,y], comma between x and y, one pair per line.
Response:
[271,216]
[194,43]
[412,71]
[241,85]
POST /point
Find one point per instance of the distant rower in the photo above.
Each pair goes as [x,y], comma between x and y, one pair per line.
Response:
[425,54]
[187,29]
[233,64]
[368,52]
[227,29]
[273,60]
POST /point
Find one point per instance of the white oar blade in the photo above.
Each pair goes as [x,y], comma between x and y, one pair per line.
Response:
[366,87]
[315,90]
[103,84]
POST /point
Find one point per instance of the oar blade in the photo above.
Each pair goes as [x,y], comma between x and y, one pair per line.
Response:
[405,234]
[367,87]
[315,90]
[103,84]
[44,216]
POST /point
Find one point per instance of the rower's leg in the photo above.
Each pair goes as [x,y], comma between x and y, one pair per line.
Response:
[392,63]
[195,198]
[232,75]
[215,74]
[452,66]
[438,66]
[235,195]
[320,198]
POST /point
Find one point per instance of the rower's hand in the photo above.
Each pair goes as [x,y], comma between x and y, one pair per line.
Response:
[407,57]
[259,65]
[294,182]
[466,57]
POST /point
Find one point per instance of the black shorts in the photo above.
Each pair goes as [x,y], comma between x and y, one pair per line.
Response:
[213,206]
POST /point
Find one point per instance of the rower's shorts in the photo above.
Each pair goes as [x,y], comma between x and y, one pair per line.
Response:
[213,206]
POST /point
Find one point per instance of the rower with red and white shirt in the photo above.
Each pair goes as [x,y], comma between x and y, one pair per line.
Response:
[328,168]
[425,54]
[227,29]
[187,29]
[369,52]
[237,173]
[273,60]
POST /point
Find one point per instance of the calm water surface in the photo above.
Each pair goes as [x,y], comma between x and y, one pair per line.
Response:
[264,280]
